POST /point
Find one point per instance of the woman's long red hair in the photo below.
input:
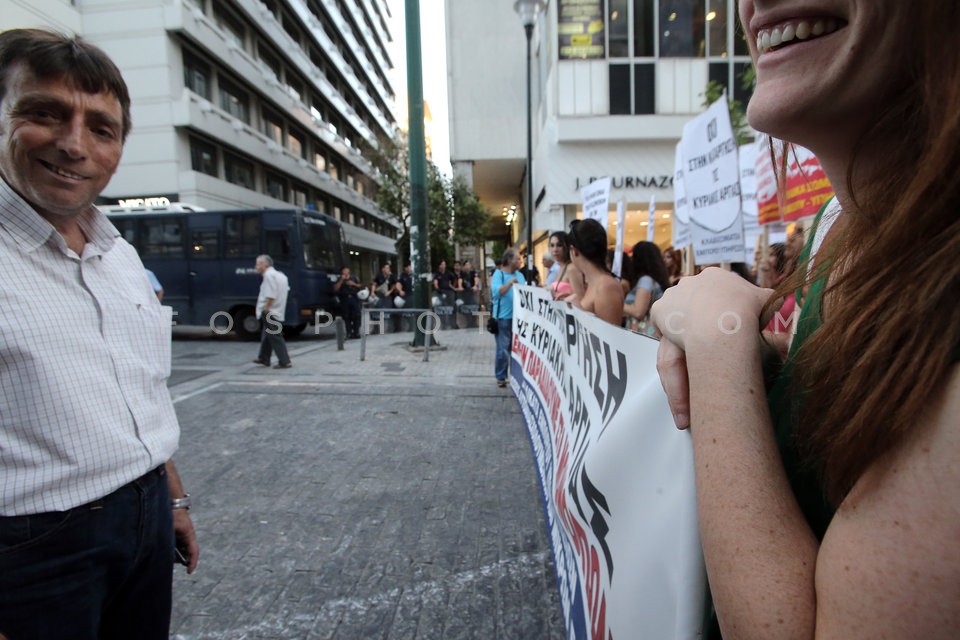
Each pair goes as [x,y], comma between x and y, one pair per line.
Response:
[891,326]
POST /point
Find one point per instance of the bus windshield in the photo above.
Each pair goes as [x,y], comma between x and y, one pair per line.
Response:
[321,244]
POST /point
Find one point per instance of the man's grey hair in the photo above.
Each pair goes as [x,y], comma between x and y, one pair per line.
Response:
[267,260]
[547,259]
[508,257]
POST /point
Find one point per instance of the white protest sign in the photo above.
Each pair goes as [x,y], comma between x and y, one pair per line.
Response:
[621,223]
[711,182]
[748,199]
[652,219]
[596,200]
[617,476]
[680,228]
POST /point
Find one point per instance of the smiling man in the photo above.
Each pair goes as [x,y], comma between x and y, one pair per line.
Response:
[91,506]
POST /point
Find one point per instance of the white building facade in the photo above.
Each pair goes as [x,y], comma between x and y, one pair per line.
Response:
[247,103]
[614,82]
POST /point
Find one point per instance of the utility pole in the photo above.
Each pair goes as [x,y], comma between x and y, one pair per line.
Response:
[419,249]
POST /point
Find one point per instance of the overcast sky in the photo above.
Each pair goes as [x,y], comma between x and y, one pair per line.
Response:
[434,56]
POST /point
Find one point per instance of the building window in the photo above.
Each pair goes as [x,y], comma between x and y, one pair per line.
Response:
[717,45]
[196,75]
[234,101]
[297,143]
[273,126]
[203,157]
[334,169]
[644,29]
[238,171]
[319,160]
[231,25]
[271,60]
[276,186]
[682,29]
[299,193]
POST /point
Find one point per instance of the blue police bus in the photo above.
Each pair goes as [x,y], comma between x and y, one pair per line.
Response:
[205,261]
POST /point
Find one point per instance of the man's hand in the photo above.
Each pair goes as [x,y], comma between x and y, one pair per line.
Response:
[186,538]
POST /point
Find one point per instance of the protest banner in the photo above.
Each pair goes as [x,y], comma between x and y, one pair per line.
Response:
[617,477]
[596,200]
[680,227]
[806,187]
[711,182]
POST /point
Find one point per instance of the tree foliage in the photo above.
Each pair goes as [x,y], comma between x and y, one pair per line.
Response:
[454,214]
[738,113]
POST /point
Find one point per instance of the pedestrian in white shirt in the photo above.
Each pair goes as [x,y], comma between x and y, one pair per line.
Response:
[271,307]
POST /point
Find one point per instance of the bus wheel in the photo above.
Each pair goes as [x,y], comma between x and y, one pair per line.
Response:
[245,324]
[294,331]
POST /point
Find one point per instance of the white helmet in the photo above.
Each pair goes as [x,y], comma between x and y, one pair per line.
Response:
[436,301]
[363,294]
[398,302]
[459,302]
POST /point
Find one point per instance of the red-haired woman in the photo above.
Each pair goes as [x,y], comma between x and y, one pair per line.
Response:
[828,508]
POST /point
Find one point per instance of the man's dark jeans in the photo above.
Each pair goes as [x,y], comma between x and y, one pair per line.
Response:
[100,571]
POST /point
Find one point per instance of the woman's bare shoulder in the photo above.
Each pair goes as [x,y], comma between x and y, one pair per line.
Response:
[888,565]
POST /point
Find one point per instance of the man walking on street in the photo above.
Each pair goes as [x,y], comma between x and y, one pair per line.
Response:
[92,509]
[271,310]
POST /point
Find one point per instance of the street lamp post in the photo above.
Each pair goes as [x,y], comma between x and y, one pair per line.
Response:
[528,10]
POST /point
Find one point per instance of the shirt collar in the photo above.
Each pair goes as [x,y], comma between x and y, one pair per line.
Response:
[31,230]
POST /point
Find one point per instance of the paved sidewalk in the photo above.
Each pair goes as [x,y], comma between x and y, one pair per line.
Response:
[390,498]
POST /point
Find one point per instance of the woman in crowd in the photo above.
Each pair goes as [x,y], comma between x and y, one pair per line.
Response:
[570,280]
[773,271]
[652,279]
[673,259]
[827,510]
[501,285]
[588,252]
[772,268]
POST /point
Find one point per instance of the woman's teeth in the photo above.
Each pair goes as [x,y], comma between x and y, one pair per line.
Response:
[769,39]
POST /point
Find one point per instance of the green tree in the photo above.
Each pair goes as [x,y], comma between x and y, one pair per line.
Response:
[738,113]
[454,214]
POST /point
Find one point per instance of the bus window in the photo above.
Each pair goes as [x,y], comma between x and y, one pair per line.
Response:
[161,237]
[205,243]
[278,244]
[243,235]
[321,245]
[126,229]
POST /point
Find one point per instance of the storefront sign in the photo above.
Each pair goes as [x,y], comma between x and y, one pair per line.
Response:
[580,30]
[632,182]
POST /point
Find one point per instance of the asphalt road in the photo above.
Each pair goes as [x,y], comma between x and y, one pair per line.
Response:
[389,498]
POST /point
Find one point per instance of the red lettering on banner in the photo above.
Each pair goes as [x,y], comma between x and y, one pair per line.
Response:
[519,348]
[596,598]
[596,601]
